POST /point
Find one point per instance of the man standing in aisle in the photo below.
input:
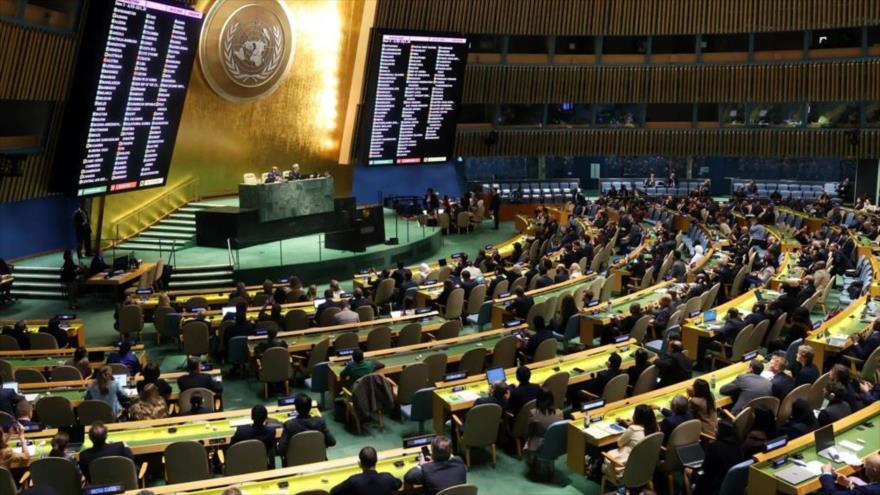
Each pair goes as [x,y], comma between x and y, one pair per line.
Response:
[83,231]
[495,204]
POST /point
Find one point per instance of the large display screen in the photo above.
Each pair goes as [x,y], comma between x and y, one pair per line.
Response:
[123,113]
[414,97]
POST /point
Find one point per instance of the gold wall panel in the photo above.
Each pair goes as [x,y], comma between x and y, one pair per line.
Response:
[301,121]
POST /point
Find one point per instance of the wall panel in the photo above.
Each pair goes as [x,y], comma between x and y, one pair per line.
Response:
[691,142]
[624,17]
[826,81]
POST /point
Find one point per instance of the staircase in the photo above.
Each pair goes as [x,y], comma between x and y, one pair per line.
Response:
[203,277]
[37,282]
[177,229]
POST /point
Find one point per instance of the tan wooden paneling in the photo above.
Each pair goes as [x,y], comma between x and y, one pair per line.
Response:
[624,17]
[674,142]
[835,81]
[35,65]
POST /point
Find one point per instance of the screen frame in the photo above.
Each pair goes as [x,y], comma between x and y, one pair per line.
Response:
[75,123]
[364,125]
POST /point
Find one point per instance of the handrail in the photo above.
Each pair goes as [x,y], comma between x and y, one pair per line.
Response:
[135,211]
[142,218]
[229,252]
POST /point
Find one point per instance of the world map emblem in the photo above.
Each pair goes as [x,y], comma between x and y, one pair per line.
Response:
[246,48]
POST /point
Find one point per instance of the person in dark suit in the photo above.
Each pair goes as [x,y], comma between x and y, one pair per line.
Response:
[8,399]
[781,383]
[467,283]
[407,283]
[369,482]
[542,333]
[100,448]
[259,430]
[495,206]
[303,421]
[83,231]
[499,393]
[597,384]
[521,304]
[195,379]
[358,300]
[440,470]
[850,487]
[641,364]
[837,408]
[524,392]
[758,314]
[544,280]
[748,386]
[801,421]
[864,346]
[732,326]
[722,454]
[151,374]
[676,415]
[399,275]
[18,331]
[328,303]
[98,264]
[808,372]
[673,366]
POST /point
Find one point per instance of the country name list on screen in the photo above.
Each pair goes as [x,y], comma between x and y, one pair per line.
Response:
[418,88]
[144,72]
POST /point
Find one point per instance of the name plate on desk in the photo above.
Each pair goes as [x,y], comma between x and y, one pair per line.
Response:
[291,199]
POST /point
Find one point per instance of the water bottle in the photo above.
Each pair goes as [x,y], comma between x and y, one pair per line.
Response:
[712,381]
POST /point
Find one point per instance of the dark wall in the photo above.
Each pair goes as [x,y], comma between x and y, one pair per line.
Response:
[372,183]
[37,225]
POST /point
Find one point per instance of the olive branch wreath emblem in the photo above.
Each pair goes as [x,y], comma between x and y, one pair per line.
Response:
[267,71]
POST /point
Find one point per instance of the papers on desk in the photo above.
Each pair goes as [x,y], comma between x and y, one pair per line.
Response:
[468,395]
[767,374]
[31,397]
[603,429]
[242,421]
[851,446]
[130,391]
[32,449]
[837,340]
[814,467]
[396,314]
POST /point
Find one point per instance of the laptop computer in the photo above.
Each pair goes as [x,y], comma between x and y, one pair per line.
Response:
[825,444]
[691,455]
[495,375]
[710,316]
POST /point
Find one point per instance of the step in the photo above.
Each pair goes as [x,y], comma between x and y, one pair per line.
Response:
[187,229]
[56,285]
[166,242]
[224,282]
[203,268]
[23,269]
[142,246]
[204,204]
[180,277]
[178,221]
[37,294]
[189,209]
[184,236]
[36,276]
[183,216]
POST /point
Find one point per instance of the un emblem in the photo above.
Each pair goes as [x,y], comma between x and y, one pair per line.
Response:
[246,48]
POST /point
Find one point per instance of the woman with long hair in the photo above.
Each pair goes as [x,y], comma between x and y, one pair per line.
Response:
[105,389]
[150,406]
[80,361]
[540,418]
[702,405]
[643,423]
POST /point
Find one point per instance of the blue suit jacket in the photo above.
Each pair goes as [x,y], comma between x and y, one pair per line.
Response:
[831,488]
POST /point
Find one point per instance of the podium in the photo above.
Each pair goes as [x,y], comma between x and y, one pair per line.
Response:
[283,200]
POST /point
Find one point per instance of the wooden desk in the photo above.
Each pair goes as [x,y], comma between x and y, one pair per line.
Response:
[599,435]
[844,325]
[304,340]
[76,329]
[45,362]
[600,316]
[762,474]
[540,295]
[785,275]
[154,435]
[316,476]
[448,400]
[696,328]
[398,358]
[123,278]
[65,353]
